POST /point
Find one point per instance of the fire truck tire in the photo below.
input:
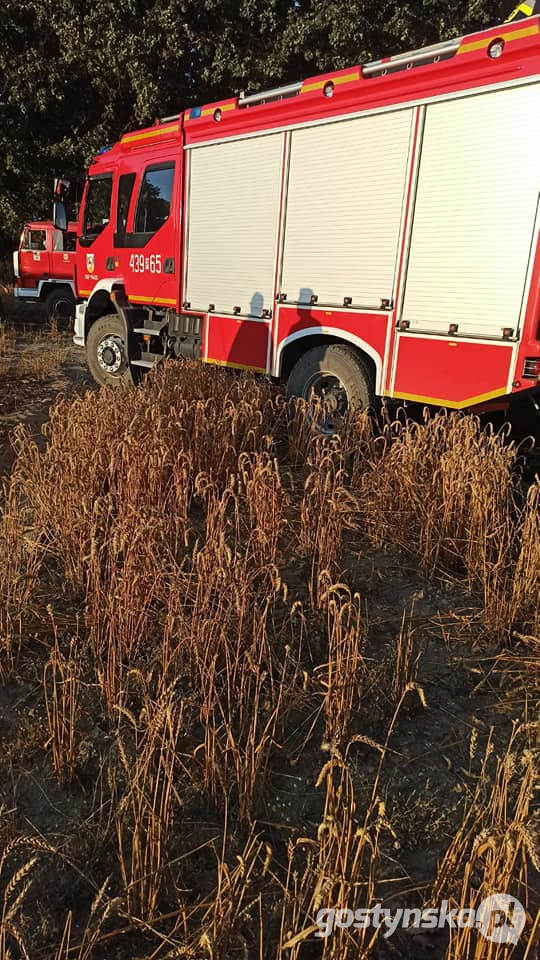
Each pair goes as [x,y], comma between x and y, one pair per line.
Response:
[106,352]
[60,307]
[336,373]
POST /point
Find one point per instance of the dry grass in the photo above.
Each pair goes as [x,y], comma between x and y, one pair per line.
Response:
[450,485]
[61,687]
[6,341]
[346,670]
[38,361]
[41,367]
[12,921]
[452,490]
[145,810]
[198,546]
[405,657]
[495,846]
[21,559]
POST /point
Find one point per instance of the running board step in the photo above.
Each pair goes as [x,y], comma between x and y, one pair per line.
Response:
[150,329]
[147,360]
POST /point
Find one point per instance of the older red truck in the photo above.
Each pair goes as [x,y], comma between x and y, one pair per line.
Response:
[44,265]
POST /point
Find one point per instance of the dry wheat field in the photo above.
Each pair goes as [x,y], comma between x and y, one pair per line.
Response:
[249,672]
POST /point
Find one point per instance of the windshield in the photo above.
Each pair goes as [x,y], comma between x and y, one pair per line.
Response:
[98,205]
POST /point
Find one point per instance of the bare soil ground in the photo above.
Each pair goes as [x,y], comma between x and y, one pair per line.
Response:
[246,675]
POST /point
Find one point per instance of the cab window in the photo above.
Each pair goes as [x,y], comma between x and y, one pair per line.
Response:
[63,242]
[154,201]
[35,240]
[125,189]
[98,205]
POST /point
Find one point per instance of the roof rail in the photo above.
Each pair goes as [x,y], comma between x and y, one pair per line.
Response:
[401,61]
[277,93]
[404,61]
[175,116]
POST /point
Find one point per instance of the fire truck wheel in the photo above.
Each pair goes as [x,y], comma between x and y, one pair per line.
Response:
[106,352]
[60,307]
[336,374]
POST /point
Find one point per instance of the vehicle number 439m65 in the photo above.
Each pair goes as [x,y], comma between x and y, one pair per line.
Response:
[140,263]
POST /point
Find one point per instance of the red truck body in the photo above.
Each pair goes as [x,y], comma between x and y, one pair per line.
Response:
[44,267]
[391,209]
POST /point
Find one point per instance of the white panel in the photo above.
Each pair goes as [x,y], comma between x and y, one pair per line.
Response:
[476,202]
[346,191]
[233,220]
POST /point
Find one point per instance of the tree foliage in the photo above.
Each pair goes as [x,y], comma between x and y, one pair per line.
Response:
[76,75]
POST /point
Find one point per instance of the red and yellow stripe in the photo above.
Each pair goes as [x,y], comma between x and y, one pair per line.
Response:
[444,402]
[162,301]
[319,84]
[209,111]
[168,129]
[506,35]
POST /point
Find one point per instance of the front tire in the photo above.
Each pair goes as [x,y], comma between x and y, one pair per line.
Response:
[60,307]
[107,354]
[338,376]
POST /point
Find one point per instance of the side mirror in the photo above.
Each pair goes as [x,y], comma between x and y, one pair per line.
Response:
[61,188]
[59,215]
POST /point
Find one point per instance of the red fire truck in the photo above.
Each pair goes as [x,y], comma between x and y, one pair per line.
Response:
[44,266]
[367,232]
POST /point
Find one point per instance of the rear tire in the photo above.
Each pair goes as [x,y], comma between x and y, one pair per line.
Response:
[60,307]
[106,352]
[336,374]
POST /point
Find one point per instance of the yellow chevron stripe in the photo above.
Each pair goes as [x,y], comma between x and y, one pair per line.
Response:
[441,402]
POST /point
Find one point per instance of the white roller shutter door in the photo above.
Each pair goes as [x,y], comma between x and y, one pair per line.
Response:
[233,211]
[345,200]
[476,203]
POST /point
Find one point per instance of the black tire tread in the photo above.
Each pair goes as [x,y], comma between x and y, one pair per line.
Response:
[358,369]
[110,324]
[52,297]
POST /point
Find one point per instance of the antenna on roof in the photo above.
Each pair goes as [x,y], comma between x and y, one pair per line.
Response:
[522,11]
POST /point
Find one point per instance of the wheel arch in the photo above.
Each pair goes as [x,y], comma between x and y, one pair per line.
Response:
[103,301]
[292,347]
[46,287]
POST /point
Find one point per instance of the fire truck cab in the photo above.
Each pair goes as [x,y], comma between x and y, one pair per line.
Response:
[44,266]
[372,231]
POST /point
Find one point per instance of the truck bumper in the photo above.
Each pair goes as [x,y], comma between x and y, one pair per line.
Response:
[26,293]
[78,328]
